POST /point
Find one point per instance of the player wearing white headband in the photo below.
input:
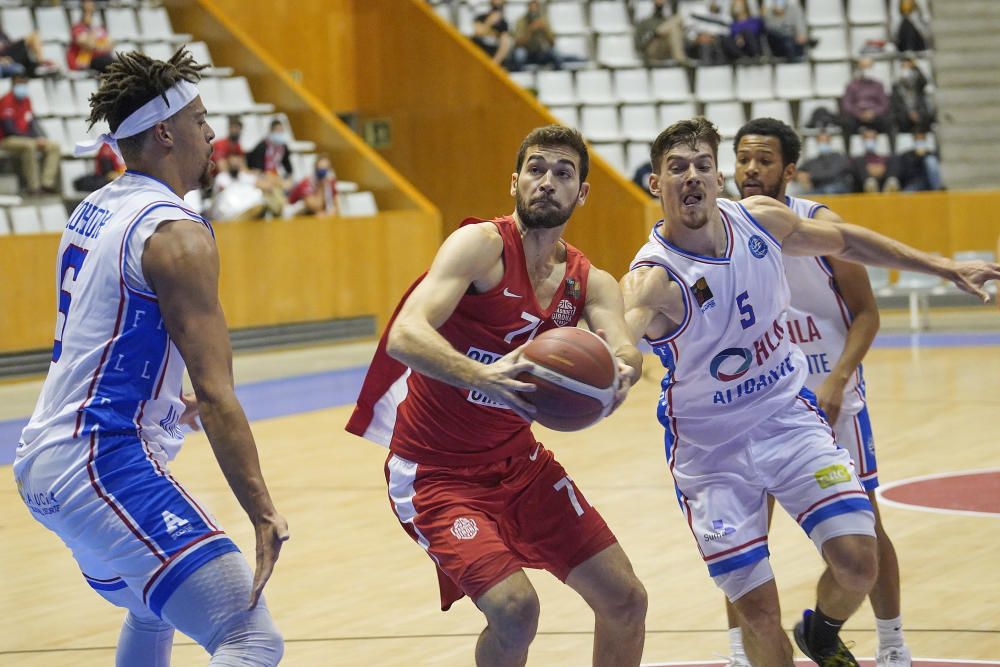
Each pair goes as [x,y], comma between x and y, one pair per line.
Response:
[138,299]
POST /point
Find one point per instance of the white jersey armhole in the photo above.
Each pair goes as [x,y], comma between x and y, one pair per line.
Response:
[135,243]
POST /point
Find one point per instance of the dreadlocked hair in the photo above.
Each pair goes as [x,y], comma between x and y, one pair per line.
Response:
[133,80]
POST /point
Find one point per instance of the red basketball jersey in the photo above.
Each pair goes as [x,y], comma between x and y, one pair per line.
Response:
[431,422]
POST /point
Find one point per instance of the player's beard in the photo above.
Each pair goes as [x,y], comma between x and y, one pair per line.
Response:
[773,191]
[207,177]
[544,217]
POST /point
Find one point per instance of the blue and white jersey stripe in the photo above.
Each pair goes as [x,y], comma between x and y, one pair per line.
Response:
[114,369]
[730,363]
[818,316]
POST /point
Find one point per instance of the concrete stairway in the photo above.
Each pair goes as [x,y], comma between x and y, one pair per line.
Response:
[967,53]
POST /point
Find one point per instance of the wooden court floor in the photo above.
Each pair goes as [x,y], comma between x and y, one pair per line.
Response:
[352,589]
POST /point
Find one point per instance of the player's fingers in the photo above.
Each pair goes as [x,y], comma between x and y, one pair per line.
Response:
[517,367]
[521,387]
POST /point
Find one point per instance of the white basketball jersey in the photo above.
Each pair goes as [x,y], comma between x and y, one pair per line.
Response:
[818,318]
[731,363]
[114,369]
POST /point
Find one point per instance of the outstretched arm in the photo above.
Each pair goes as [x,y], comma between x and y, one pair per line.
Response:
[852,282]
[181,264]
[653,302]
[468,255]
[605,314]
[801,236]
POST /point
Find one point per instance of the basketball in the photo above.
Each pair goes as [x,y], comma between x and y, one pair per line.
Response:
[575,376]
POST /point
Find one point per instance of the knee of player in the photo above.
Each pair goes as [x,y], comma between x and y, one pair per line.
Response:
[516,615]
[629,603]
[854,562]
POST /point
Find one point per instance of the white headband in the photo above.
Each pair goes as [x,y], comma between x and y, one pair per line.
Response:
[143,118]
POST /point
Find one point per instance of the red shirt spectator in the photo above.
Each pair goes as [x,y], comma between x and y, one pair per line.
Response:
[318,191]
[16,117]
[230,144]
[108,162]
[90,46]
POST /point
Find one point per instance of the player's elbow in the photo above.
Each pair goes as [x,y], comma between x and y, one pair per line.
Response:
[400,340]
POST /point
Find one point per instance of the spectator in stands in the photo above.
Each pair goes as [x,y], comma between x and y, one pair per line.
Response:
[919,167]
[108,166]
[785,27]
[229,144]
[660,36]
[316,194]
[641,178]
[491,33]
[271,153]
[90,46]
[874,171]
[21,134]
[23,56]
[241,194]
[912,109]
[746,31]
[829,172]
[708,31]
[912,33]
[534,41]
[865,102]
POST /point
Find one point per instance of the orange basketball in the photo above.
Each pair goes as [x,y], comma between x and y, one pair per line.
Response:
[575,375]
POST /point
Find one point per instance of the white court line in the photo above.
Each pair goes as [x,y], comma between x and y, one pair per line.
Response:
[879,492]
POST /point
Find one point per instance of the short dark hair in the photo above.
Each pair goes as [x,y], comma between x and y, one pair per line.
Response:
[275,122]
[235,119]
[692,132]
[791,145]
[556,135]
[133,80]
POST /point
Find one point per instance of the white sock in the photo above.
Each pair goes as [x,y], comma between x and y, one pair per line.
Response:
[736,643]
[890,632]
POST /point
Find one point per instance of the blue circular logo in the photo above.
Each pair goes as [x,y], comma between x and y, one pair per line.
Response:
[741,355]
[758,247]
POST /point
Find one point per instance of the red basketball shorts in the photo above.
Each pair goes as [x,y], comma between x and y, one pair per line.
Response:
[483,523]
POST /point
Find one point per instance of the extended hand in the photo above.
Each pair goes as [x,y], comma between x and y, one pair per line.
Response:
[271,532]
[498,382]
[191,414]
[830,396]
[972,275]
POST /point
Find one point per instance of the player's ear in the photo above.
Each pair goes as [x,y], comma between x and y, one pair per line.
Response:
[513,184]
[163,134]
[654,184]
[789,173]
[722,180]
[581,197]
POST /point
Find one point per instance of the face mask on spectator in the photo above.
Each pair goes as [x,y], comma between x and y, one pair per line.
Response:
[235,138]
[20,90]
[920,145]
[277,138]
[909,74]
[824,149]
[870,145]
[321,174]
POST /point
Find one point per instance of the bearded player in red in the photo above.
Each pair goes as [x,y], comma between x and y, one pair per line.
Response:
[467,479]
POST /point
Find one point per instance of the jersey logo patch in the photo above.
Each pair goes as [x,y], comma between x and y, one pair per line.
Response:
[735,369]
[703,294]
[719,531]
[832,475]
[564,313]
[464,528]
[572,288]
[758,247]
[176,526]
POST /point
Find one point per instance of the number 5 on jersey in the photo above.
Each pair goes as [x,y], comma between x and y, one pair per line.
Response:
[69,268]
[747,318]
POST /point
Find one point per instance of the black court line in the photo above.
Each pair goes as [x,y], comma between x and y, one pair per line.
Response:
[460,635]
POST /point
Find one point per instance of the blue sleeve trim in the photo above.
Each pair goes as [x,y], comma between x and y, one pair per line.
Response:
[736,562]
[836,509]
